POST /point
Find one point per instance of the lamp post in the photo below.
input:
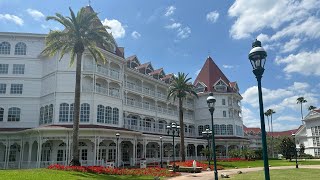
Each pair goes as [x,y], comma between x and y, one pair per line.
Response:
[175,130]
[207,134]
[257,57]
[161,152]
[211,103]
[295,149]
[117,150]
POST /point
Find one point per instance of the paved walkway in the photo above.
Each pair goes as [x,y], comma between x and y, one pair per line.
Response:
[207,175]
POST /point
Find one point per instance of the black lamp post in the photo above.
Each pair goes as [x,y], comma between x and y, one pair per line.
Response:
[295,149]
[211,103]
[207,134]
[161,152]
[117,150]
[257,57]
[175,130]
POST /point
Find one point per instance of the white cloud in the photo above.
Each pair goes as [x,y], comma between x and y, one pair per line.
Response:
[184,33]
[253,16]
[173,26]
[212,16]
[305,63]
[117,29]
[288,118]
[228,66]
[135,35]
[170,10]
[12,18]
[291,45]
[35,14]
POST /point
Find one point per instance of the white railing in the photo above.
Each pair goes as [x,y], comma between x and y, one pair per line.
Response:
[104,91]
[13,165]
[145,126]
[113,73]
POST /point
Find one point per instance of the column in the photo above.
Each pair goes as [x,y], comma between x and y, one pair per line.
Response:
[39,152]
[7,154]
[227,149]
[134,151]
[21,152]
[196,151]
[95,157]
[144,149]
[30,151]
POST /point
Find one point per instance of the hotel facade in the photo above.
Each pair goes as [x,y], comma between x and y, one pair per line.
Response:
[120,96]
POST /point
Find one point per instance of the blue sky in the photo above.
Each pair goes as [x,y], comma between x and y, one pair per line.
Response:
[179,35]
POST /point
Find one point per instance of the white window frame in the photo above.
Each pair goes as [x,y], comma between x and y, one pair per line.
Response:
[18,68]
[16,89]
[4,68]
[14,114]
[20,49]
[3,88]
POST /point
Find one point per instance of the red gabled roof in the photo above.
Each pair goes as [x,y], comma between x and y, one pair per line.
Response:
[130,58]
[254,130]
[283,133]
[145,65]
[168,76]
[158,71]
[317,110]
[210,74]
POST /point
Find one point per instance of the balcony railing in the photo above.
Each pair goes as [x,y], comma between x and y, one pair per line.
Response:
[104,91]
[113,73]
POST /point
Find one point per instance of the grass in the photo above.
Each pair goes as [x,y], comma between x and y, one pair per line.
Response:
[40,174]
[259,163]
[283,174]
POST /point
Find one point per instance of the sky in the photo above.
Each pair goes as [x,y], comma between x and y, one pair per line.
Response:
[179,35]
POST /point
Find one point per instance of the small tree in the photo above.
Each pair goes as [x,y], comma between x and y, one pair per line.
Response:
[207,152]
[258,154]
[287,147]
[235,153]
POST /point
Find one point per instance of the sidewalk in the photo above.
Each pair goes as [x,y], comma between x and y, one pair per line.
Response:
[207,175]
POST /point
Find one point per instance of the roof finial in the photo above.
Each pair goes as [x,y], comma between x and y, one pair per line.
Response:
[89,3]
[209,53]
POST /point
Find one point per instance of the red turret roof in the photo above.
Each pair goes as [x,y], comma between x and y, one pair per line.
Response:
[210,74]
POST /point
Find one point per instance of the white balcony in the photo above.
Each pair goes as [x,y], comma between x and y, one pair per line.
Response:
[113,73]
[103,91]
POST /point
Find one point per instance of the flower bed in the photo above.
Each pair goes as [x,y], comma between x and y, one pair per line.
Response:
[160,172]
[198,164]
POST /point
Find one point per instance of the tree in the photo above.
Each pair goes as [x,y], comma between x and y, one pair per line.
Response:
[288,147]
[179,88]
[300,101]
[268,113]
[81,32]
[310,108]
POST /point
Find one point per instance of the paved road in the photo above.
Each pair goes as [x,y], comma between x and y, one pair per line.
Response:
[207,175]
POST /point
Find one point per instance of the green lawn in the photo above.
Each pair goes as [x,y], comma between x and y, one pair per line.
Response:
[287,174]
[259,163]
[40,174]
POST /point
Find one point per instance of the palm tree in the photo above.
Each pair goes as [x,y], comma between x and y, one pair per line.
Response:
[300,101]
[179,88]
[310,108]
[267,114]
[270,112]
[80,32]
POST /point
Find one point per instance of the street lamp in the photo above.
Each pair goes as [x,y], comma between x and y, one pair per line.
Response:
[207,134]
[211,103]
[161,151]
[257,57]
[296,152]
[175,130]
[117,150]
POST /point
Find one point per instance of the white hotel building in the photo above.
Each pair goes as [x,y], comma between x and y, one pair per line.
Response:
[122,95]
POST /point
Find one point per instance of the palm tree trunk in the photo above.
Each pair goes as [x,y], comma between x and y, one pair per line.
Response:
[182,149]
[272,152]
[301,111]
[75,136]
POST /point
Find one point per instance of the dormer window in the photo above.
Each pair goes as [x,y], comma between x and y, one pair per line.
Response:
[220,86]
[200,87]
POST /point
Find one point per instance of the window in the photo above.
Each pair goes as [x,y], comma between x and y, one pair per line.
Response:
[13,153]
[220,86]
[217,129]
[71,112]
[63,112]
[200,130]
[5,48]
[1,114]
[60,155]
[46,152]
[85,112]
[3,88]
[100,114]
[223,129]
[224,113]
[229,129]
[16,89]
[108,115]
[115,113]
[46,114]
[4,68]
[223,102]
[50,113]
[84,154]
[41,120]
[14,114]
[112,151]
[18,69]
[20,49]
